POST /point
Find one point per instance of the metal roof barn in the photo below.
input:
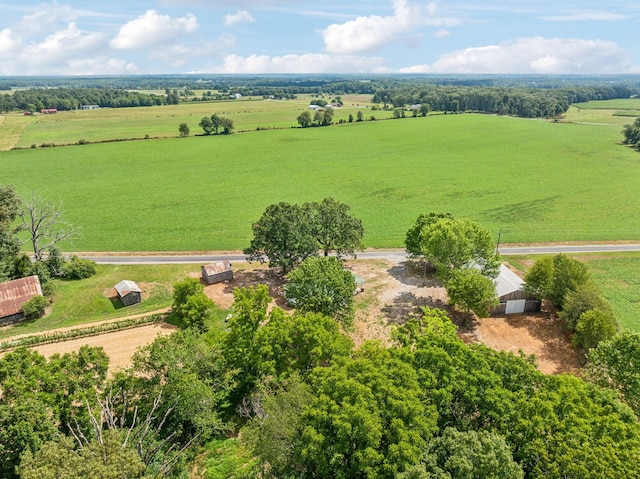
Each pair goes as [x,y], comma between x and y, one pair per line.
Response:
[13,295]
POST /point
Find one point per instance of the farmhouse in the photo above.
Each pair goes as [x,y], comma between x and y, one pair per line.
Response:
[510,291]
[217,272]
[49,111]
[13,295]
[128,292]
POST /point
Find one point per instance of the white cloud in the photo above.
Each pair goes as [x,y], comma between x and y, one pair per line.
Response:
[533,55]
[63,45]
[306,63]
[586,17]
[441,33]
[9,42]
[366,34]
[241,16]
[152,29]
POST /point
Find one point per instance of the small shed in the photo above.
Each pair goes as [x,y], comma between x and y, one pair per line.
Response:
[510,291]
[217,272]
[13,295]
[128,292]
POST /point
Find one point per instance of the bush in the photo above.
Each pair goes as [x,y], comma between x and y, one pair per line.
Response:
[79,268]
[34,308]
[593,327]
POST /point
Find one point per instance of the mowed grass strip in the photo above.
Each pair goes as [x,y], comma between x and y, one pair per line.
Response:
[534,180]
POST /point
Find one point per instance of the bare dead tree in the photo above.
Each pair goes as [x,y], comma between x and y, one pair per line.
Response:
[45,224]
[143,434]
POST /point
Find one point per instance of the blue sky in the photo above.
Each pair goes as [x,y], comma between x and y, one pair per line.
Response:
[74,37]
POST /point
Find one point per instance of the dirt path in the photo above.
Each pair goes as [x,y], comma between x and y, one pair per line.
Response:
[119,345]
[85,325]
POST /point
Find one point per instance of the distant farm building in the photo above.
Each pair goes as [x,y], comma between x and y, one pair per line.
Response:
[128,292]
[217,272]
[13,295]
[48,111]
[510,291]
[90,107]
[315,107]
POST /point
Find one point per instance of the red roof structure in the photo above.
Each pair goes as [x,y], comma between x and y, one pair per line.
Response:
[13,294]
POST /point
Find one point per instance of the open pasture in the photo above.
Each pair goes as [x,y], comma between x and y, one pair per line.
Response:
[534,180]
[614,112]
[248,114]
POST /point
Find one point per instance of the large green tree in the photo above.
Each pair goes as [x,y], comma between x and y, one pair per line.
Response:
[282,236]
[615,364]
[322,285]
[451,244]
[334,227]
[594,325]
[552,277]
[472,291]
[471,455]
[9,242]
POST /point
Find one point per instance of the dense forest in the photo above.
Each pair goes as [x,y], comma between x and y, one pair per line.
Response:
[526,96]
[306,404]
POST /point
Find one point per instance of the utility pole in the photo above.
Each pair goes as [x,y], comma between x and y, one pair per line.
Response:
[498,243]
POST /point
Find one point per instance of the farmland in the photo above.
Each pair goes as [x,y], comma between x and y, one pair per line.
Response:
[534,180]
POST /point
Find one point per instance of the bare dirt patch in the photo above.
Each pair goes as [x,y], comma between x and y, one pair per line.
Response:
[540,334]
[119,345]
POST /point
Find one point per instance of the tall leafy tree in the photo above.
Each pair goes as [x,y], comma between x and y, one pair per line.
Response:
[9,242]
[552,277]
[451,244]
[282,236]
[472,291]
[322,285]
[334,227]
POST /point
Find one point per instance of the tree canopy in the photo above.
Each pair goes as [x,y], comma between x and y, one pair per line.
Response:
[322,285]
[287,233]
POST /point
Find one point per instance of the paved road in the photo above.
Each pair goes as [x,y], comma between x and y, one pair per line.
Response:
[392,255]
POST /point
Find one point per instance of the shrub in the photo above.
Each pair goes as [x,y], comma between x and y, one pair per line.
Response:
[34,308]
[79,268]
[593,327]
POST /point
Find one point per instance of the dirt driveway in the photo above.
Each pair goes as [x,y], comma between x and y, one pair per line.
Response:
[395,291]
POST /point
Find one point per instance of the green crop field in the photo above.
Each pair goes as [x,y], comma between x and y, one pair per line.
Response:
[69,127]
[534,180]
[619,280]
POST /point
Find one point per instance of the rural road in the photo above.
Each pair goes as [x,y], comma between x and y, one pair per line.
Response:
[391,255]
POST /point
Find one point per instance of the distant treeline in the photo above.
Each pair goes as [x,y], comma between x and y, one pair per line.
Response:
[73,99]
[527,96]
[517,101]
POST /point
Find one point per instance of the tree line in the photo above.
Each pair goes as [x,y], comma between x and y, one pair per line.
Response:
[73,98]
[516,101]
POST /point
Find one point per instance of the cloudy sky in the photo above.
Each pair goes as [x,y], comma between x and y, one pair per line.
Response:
[79,37]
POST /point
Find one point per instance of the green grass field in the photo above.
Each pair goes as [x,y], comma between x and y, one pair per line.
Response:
[69,127]
[614,112]
[535,180]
